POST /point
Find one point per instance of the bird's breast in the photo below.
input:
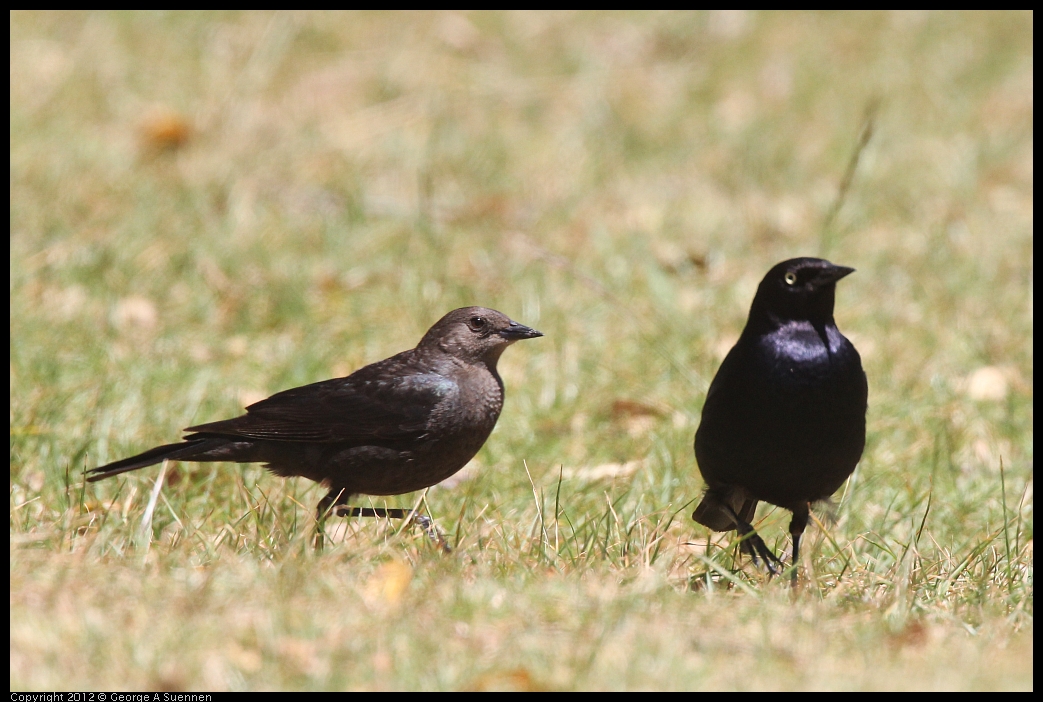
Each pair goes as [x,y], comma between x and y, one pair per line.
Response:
[473,408]
[799,355]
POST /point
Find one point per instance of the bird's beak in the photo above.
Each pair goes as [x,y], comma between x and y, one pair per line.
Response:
[832,275]
[519,331]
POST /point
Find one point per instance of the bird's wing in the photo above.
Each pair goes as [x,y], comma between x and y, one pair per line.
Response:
[729,375]
[382,409]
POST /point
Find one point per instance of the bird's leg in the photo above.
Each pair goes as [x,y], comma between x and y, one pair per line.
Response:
[796,530]
[378,512]
[421,520]
[335,497]
[753,545]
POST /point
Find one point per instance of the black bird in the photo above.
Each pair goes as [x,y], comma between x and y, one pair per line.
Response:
[785,418]
[392,427]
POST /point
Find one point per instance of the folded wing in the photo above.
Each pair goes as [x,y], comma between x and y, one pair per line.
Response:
[383,410]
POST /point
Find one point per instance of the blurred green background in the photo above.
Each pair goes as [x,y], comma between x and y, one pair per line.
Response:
[209,207]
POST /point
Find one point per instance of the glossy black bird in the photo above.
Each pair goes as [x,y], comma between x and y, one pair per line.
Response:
[785,418]
[392,427]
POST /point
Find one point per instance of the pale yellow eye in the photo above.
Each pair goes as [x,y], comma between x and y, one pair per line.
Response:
[790,278]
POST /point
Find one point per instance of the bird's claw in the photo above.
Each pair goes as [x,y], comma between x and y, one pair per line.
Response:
[753,546]
[421,520]
[433,532]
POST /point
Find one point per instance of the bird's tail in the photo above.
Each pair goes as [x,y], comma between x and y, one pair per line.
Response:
[719,507]
[191,449]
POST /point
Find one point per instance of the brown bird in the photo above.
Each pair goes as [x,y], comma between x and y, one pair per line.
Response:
[392,427]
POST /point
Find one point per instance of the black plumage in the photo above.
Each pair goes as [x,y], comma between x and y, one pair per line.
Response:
[785,417]
[392,427]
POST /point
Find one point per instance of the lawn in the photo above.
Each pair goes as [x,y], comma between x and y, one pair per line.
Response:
[207,208]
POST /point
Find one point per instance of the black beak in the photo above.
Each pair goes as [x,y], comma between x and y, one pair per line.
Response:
[519,331]
[831,275]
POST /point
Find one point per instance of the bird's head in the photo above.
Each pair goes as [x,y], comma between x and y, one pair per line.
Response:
[799,289]
[475,334]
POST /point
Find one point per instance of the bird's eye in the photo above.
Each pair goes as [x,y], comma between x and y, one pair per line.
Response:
[476,323]
[790,278]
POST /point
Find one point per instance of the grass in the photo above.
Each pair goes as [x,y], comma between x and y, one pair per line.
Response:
[207,208]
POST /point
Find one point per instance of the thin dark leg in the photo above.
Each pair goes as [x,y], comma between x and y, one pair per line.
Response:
[796,530]
[335,497]
[421,520]
[380,512]
[753,545]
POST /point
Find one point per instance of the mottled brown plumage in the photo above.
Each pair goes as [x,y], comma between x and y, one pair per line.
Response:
[392,427]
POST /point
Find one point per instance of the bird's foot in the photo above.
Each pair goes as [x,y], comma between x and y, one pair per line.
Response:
[421,520]
[433,532]
[753,545]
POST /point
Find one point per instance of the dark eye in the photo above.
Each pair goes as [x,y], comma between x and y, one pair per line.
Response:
[790,278]
[477,323]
